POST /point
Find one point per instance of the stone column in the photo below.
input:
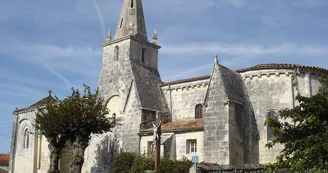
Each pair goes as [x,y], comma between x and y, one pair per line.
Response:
[307,84]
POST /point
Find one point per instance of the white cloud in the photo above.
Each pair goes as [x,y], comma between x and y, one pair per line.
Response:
[83,60]
[244,49]
[191,72]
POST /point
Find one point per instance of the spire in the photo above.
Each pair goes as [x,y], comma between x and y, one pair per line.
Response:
[109,35]
[216,61]
[132,20]
[155,37]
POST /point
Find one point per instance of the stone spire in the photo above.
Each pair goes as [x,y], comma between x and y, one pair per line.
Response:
[155,37]
[132,20]
[109,35]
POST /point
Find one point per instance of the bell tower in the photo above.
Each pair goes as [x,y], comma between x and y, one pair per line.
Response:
[129,80]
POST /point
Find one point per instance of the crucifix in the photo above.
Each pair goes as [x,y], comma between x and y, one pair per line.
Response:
[157,140]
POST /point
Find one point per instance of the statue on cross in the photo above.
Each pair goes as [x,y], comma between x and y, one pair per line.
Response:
[156,135]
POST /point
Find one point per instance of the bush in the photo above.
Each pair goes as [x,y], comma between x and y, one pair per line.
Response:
[123,162]
[126,162]
[142,163]
[174,166]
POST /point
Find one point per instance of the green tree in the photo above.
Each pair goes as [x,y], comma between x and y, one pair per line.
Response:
[303,131]
[47,118]
[88,115]
[73,120]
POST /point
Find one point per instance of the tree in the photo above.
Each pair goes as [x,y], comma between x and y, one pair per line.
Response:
[47,119]
[303,131]
[73,120]
[88,115]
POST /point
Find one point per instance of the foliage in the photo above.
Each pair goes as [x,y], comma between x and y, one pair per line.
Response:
[127,162]
[74,119]
[174,166]
[88,116]
[303,131]
[106,152]
[51,122]
[123,162]
[141,163]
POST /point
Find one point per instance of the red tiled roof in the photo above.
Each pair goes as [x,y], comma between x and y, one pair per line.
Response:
[178,126]
[256,67]
[280,66]
[4,159]
[187,80]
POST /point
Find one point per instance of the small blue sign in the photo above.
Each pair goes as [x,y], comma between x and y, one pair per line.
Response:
[194,159]
[96,170]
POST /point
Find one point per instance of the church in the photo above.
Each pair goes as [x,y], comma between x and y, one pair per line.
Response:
[219,117]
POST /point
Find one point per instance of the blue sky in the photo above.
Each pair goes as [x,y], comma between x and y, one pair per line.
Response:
[56,44]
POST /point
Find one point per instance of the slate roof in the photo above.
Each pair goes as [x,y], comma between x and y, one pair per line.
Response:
[38,103]
[187,80]
[148,87]
[256,67]
[180,126]
[4,159]
[233,84]
[203,166]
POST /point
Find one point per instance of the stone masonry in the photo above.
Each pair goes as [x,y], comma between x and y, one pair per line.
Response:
[219,117]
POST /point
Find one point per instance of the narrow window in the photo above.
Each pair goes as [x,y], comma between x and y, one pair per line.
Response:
[121,23]
[26,138]
[131,3]
[149,147]
[140,21]
[191,146]
[143,51]
[116,53]
[199,111]
[272,114]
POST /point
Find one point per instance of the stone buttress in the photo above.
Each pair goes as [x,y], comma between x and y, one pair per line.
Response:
[229,135]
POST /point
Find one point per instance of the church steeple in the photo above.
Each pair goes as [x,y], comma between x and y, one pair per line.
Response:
[132,20]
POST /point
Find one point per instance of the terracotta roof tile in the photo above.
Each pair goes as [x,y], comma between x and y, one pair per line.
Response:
[280,66]
[179,126]
[4,159]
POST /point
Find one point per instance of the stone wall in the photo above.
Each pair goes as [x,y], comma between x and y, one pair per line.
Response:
[183,98]
[25,157]
[181,144]
[273,90]
[216,125]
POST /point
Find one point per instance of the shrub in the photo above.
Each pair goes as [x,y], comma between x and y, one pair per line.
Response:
[142,163]
[174,166]
[123,162]
[126,162]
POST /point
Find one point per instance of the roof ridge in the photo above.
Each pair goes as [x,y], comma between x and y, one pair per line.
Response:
[257,66]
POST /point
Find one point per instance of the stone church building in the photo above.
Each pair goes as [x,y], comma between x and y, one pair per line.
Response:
[219,117]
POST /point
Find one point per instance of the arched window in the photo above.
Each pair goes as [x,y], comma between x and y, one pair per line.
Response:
[116,53]
[26,138]
[271,114]
[199,111]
